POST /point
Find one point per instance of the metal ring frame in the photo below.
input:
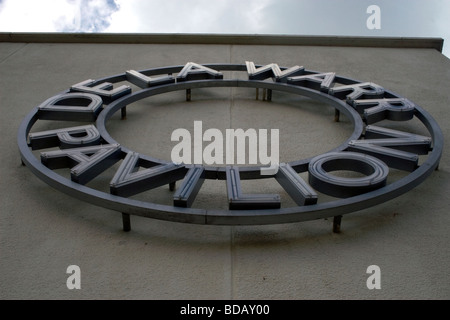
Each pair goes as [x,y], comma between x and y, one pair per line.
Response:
[334,208]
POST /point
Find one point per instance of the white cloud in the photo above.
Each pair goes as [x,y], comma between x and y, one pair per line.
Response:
[87,16]
[202,16]
[30,16]
[55,16]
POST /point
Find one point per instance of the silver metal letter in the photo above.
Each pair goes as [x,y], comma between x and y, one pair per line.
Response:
[143,81]
[295,186]
[398,149]
[188,190]
[73,137]
[71,107]
[357,91]
[375,171]
[237,200]
[317,81]
[86,163]
[105,90]
[374,110]
[129,180]
[271,71]
[195,71]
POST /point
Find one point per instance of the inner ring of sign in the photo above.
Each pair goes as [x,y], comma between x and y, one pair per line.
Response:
[347,110]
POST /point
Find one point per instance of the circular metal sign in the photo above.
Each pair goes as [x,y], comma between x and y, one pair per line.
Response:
[371,151]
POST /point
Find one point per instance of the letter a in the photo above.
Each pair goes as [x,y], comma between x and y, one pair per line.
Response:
[74,280]
[181,153]
[374,20]
[374,281]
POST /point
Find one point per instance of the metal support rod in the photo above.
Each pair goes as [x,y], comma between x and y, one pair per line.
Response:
[264,94]
[257,93]
[337,224]
[126,221]
[172,186]
[337,114]
[188,94]
[123,113]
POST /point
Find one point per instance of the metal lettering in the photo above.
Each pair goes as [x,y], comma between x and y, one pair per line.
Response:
[271,71]
[370,152]
[316,81]
[356,91]
[129,180]
[143,81]
[375,172]
[295,186]
[397,149]
[375,110]
[86,163]
[73,137]
[105,90]
[237,200]
[396,139]
[189,188]
[194,71]
[71,107]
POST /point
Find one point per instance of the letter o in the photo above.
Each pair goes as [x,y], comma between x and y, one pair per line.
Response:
[320,178]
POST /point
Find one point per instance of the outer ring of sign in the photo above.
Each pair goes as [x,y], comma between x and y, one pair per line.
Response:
[231,217]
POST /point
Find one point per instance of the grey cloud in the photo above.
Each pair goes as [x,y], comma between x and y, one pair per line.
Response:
[312,17]
[326,17]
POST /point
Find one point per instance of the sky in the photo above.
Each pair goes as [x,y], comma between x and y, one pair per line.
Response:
[396,18]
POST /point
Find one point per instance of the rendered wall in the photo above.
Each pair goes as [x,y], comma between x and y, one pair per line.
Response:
[43,231]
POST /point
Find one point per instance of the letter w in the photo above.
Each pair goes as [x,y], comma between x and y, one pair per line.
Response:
[272,71]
